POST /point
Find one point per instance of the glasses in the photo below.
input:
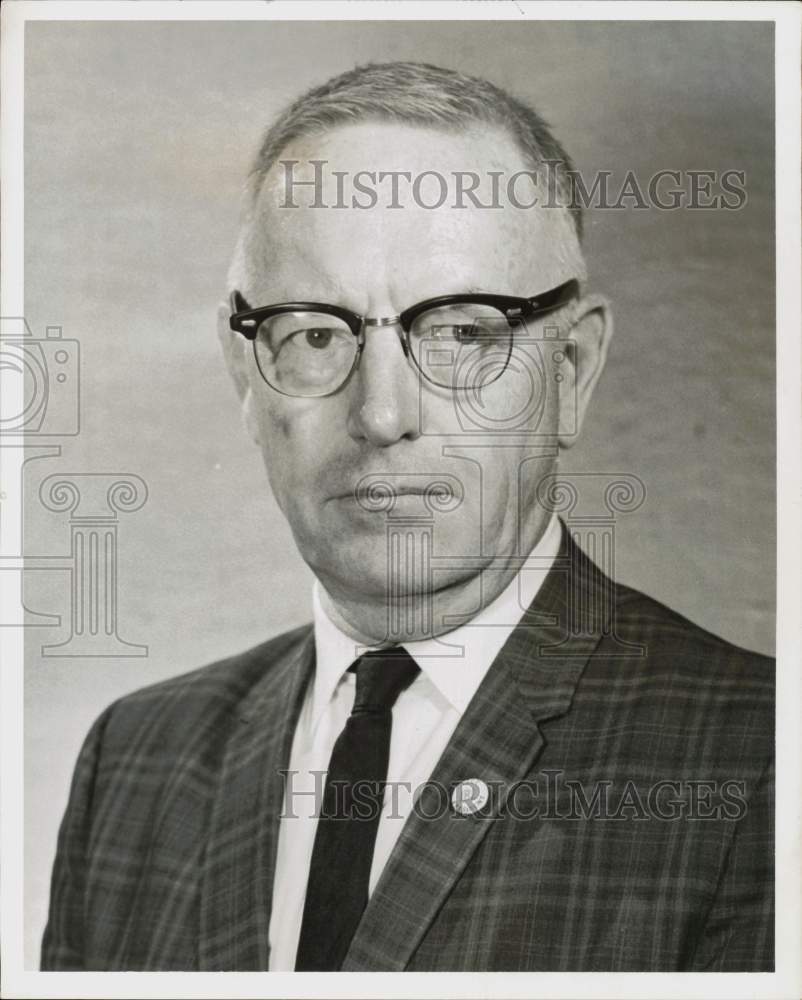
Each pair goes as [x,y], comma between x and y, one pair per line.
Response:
[454,341]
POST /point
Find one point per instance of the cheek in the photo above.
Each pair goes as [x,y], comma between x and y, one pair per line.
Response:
[274,428]
[284,422]
[297,439]
[524,399]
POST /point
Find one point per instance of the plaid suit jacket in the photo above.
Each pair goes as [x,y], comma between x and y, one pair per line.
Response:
[629,824]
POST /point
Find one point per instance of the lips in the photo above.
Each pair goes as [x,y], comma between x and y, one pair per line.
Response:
[405,491]
[383,484]
[378,492]
[386,490]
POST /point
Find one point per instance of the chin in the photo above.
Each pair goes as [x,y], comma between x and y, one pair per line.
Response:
[356,553]
[362,571]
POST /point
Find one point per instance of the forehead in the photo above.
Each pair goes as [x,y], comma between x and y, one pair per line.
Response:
[400,247]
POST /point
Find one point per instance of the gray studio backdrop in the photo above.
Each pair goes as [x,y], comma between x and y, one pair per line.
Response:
[138,136]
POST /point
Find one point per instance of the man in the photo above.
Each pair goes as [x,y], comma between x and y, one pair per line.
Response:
[483,754]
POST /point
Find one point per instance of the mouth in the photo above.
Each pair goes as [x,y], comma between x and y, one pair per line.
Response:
[384,490]
[379,492]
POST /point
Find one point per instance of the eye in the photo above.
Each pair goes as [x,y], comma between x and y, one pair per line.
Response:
[462,333]
[304,332]
[463,324]
[305,353]
[318,337]
[467,333]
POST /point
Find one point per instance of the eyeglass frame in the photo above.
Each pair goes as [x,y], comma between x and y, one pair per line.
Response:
[246,321]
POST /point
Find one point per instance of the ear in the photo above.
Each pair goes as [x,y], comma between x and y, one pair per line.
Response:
[237,354]
[588,342]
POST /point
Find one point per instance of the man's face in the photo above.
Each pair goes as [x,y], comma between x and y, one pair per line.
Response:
[386,422]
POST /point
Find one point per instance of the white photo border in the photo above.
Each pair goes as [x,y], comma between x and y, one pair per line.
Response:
[786,981]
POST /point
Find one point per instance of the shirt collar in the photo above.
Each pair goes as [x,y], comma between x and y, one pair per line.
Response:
[455,662]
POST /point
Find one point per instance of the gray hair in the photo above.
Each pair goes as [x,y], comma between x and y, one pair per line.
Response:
[417,94]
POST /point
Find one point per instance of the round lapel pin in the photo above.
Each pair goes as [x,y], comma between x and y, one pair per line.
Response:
[470,796]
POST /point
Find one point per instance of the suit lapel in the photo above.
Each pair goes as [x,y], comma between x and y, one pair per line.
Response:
[497,740]
[241,849]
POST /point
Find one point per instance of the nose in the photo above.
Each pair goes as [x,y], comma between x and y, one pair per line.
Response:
[385,401]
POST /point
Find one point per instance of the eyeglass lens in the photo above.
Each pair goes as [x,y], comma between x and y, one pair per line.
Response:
[462,345]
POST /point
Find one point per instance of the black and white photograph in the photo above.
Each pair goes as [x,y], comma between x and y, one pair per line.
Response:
[400,516]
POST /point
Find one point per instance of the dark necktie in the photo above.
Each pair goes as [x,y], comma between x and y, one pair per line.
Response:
[337,890]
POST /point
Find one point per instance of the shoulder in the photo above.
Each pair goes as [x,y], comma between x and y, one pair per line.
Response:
[670,637]
[199,700]
[641,640]
[670,697]
[676,674]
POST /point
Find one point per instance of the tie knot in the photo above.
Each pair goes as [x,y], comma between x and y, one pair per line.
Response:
[381,676]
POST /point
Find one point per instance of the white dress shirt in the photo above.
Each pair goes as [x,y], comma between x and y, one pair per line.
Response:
[424,717]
